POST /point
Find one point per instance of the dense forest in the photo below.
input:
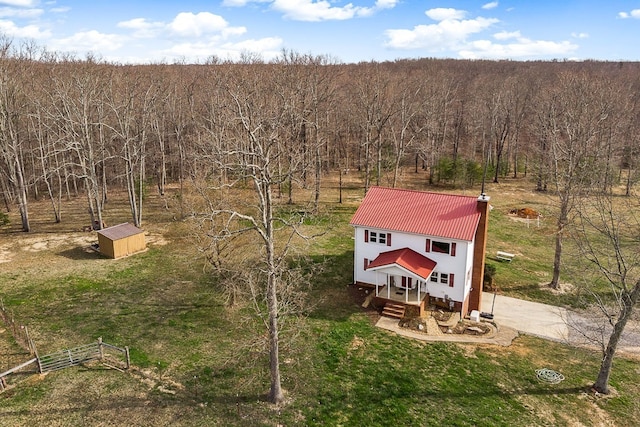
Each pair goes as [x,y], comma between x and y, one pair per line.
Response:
[79,127]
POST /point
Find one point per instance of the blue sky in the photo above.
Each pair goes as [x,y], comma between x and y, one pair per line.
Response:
[142,31]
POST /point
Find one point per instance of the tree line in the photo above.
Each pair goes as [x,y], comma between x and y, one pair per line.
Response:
[79,127]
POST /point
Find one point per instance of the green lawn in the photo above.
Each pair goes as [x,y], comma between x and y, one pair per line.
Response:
[199,362]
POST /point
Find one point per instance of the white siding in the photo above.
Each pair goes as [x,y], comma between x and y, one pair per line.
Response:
[458,265]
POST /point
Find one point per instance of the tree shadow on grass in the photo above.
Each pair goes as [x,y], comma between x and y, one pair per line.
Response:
[82,253]
[331,292]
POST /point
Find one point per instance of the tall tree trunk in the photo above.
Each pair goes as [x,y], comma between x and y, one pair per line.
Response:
[629,300]
[275,392]
[557,257]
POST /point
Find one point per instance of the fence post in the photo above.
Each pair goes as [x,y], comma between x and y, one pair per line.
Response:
[32,346]
[100,348]
[126,353]
[26,333]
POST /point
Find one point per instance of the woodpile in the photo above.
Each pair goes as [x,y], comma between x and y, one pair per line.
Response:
[525,213]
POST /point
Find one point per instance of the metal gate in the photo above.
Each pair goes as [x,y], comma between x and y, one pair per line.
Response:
[71,357]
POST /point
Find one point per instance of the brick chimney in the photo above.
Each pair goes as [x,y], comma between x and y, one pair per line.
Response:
[480,247]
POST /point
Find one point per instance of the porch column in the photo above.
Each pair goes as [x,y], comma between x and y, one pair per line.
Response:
[377,291]
[388,288]
[419,285]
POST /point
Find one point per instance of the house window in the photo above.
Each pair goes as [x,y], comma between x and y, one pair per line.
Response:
[441,247]
[377,237]
[443,278]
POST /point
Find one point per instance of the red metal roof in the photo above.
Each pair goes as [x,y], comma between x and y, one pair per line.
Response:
[120,231]
[419,212]
[409,259]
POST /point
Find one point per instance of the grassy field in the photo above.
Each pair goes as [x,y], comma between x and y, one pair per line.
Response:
[198,362]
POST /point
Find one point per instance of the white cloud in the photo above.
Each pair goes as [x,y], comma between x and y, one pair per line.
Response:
[19,3]
[444,14]
[504,35]
[268,48]
[90,41]
[635,13]
[450,33]
[491,5]
[317,10]
[453,33]
[239,3]
[184,25]
[11,12]
[9,28]
[386,4]
[187,24]
[580,35]
[265,45]
[322,10]
[522,48]
[142,28]
[308,10]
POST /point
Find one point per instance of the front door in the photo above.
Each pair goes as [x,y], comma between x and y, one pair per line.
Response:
[407,282]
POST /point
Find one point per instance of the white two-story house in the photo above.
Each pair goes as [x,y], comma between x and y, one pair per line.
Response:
[417,247]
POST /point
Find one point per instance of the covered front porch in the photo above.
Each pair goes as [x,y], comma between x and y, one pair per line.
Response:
[401,277]
[399,294]
[395,300]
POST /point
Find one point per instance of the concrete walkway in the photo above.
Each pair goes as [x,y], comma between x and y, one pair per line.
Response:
[513,316]
[542,320]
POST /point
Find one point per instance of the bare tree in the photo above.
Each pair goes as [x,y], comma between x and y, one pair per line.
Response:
[576,111]
[607,237]
[406,126]
[373,109]
[78,102]
[248,150]
[12,105]
[130,101]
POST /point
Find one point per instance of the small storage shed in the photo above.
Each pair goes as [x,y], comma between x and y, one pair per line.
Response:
[121,240]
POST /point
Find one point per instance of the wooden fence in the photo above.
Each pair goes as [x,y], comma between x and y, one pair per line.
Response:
[110,355]
[14,370]
[97,351]
[20,332]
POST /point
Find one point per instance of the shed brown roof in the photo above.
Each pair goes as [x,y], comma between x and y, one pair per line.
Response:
[120,231]
[419,212]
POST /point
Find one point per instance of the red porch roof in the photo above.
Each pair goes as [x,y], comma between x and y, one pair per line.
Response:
[406,258]
[419,212]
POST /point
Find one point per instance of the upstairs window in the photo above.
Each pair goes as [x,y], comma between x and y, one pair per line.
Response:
[377,237]
[440,247]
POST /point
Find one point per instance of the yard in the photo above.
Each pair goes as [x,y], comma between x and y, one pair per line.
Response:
[198,362]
